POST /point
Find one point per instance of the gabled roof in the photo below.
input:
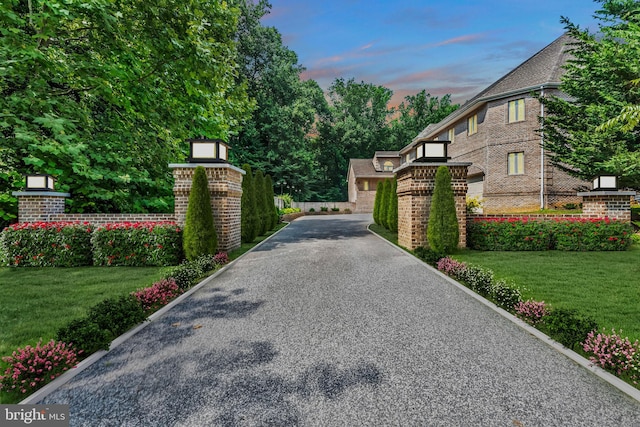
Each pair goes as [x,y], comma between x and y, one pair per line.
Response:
[363,168]
[387,154]
[542,70]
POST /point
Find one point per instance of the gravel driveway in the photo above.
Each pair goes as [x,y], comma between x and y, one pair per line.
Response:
[327,325]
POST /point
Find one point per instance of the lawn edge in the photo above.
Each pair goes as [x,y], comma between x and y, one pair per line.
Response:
[40,394]
[611,379]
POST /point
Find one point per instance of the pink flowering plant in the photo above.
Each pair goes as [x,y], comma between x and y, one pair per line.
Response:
[157,295]
[614,353]
[451,267]
[531,311]
[46,244]
[30,368]
[137,244]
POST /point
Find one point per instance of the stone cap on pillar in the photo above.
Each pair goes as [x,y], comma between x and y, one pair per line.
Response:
[40,193]
[207,166]
[407,165]
[607,193]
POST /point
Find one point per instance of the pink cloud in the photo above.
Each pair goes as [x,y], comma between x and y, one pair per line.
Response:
[466,39]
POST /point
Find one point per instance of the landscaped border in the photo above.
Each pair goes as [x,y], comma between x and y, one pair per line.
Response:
[43,392]
[614,381]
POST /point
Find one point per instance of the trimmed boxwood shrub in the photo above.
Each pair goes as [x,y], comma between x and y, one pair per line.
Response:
[377,203]
[46,244]
[249,215]
[568,234]
[568,327]
[137,244]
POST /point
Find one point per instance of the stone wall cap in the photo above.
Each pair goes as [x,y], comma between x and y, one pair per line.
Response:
[207,166]
[607,193]
[40,193]
[407,165]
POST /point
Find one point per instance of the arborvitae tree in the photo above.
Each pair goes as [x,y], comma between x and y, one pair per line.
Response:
[392,209]
[249,220]
[378,202]
[442,230]
[386,192]
[263,217]
[199,235]
[275,216]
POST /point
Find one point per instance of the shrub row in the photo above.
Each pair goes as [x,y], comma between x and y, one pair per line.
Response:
[30,368]
[567,234]
[67,244]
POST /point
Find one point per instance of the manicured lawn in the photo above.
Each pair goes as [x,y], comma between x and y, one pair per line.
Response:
[36,302]
[604,285]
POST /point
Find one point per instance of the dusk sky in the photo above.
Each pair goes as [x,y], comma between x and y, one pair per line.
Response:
[456,46]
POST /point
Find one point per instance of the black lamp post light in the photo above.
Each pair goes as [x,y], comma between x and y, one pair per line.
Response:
[203,150]
[605,183]
[37,182]
[432,151]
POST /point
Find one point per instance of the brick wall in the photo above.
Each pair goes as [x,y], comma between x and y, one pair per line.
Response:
[416,182]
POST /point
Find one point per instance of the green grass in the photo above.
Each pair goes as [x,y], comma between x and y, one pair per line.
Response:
[36,302]
[384,233]
[604,285]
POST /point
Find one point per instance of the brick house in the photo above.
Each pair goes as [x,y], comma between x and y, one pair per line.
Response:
[497,131]
[363,176]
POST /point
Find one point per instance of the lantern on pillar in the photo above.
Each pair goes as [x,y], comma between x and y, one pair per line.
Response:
[605,183]
[37,182]
[203,150]
[432,151]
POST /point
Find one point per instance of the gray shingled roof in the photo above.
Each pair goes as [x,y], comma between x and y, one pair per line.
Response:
[363,168]
[544,69]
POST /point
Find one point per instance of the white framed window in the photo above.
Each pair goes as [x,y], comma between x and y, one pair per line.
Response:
[472,124]
[516,111]
[515,163]
[388,166]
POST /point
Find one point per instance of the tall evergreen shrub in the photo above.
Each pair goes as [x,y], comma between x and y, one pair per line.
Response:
[249,219]
[392,209]
[199,236]
[384,204]
[263,215]
[274,215]
[442,230]
[378,202]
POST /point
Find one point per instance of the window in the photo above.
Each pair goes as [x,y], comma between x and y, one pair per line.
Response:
[515,163]
[388,166]
[516,111]
[365,185]
[472,124]
[452,134]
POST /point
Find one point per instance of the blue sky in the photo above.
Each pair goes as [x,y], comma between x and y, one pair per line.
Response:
[457,46]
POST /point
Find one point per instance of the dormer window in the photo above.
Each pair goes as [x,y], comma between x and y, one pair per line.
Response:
[388,166]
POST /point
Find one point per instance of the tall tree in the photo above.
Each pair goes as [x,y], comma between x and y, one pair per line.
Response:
[355,126]
[416,113]
[199,235]
[103,94]
[442,229]
[276,139]
[599,86]
[248,210]
[261,209]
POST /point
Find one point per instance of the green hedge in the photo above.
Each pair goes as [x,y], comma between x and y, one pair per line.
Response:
[568,234]
[66,244]
[46,244]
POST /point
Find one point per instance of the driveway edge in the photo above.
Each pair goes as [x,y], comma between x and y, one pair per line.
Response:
[40,394]
[614,381]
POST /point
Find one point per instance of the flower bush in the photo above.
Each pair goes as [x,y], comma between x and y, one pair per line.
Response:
[46,244]
[614,353]
[157,295]
[509,234]
[531,311]
[32,367]
[591,235]
[451,267]
[568,234]
[137,244]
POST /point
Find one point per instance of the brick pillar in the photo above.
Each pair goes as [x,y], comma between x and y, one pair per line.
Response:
[609,204]
[416,182]
[225,187]
[39,206]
